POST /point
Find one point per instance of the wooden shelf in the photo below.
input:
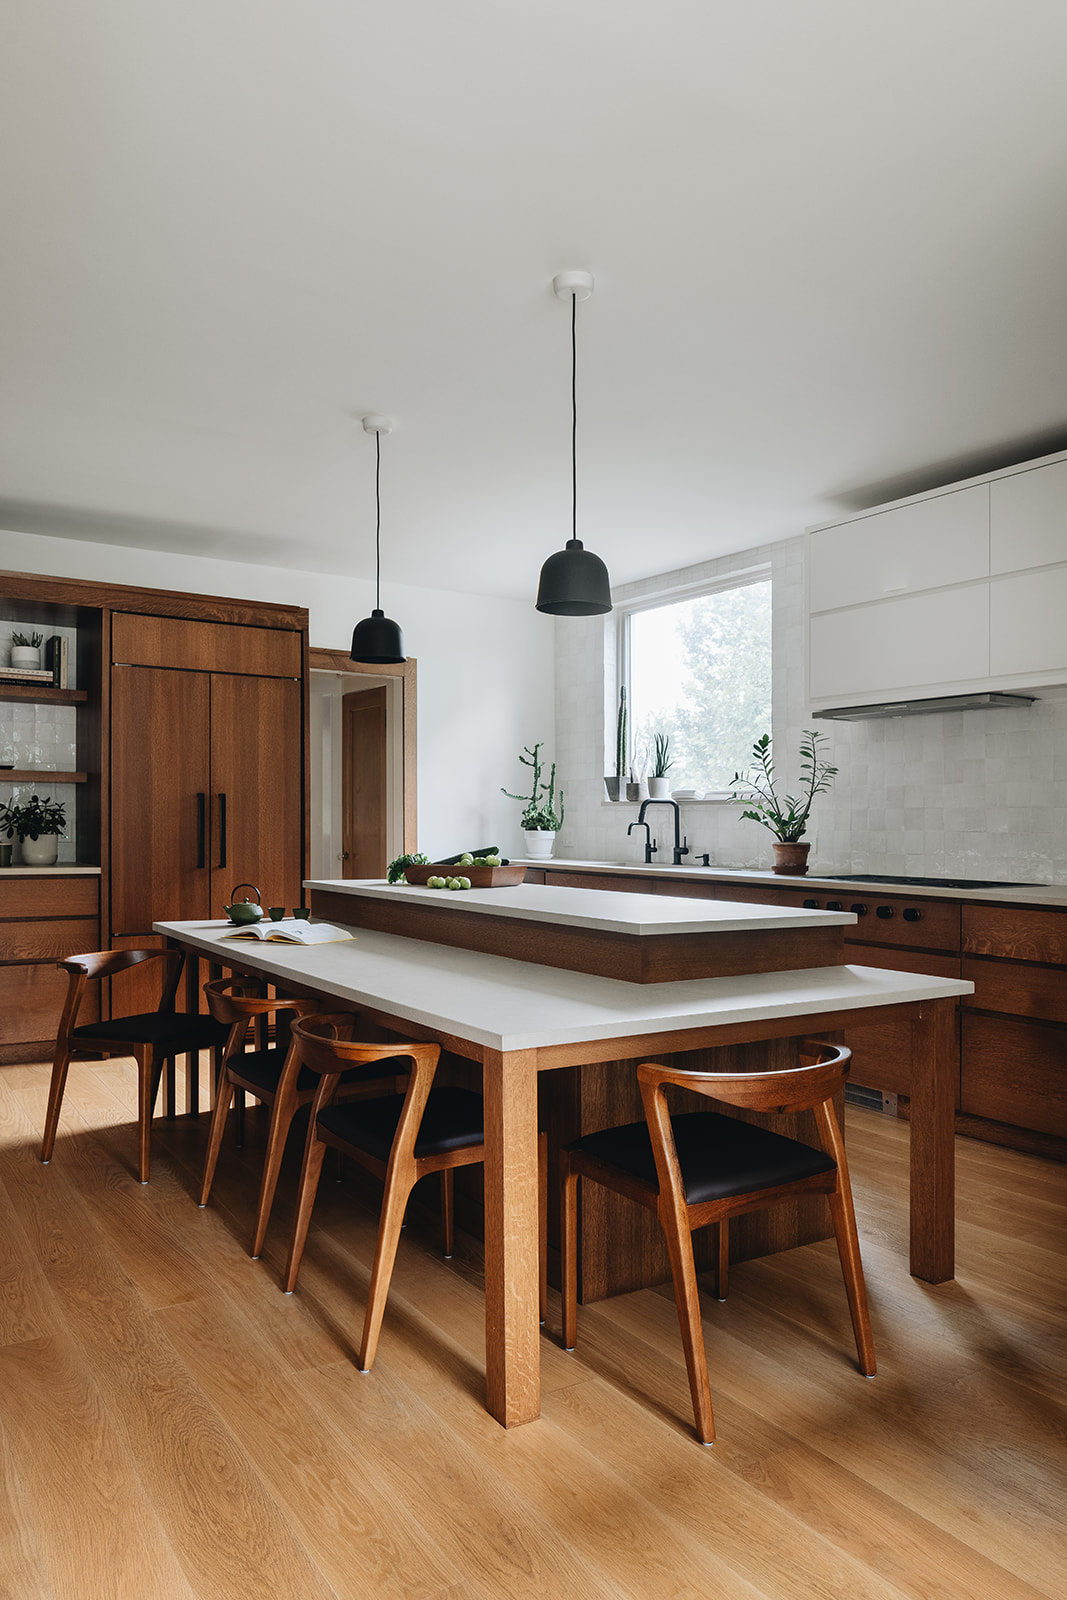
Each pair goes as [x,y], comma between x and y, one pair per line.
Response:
[39,775]
[43,693]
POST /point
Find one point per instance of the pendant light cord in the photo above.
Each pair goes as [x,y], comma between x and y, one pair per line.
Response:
[574,416]
[378,522]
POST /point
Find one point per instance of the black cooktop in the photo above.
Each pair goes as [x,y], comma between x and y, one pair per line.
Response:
[927,883]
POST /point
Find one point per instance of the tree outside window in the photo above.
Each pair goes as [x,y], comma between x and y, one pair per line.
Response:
[700,672]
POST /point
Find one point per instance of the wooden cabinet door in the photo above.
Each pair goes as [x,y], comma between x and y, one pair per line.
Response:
[257,765]
[160,788]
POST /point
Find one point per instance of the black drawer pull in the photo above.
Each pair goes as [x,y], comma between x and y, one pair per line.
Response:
[858,908]
[811,905]
[913,914]
[885,912]
[834,905]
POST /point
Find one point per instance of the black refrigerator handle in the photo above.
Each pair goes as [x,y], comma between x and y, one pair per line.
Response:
[222,830]
[201,829]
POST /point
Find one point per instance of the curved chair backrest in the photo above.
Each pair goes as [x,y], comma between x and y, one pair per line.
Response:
[321,1045]
[820,1076]
[95,965]
[233,1000]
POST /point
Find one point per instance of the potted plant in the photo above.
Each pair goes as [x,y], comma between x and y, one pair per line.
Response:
[659,785]
[38,825]
[614,784]
[26,650]
[786,817]
[541,820]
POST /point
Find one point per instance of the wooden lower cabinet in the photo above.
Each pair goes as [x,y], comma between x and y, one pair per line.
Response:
[42,921]
[1015,1072]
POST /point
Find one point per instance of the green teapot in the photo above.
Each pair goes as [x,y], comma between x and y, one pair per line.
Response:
[244,910]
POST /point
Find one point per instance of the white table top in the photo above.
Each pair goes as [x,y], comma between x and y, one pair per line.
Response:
[514,1005]
[605,910]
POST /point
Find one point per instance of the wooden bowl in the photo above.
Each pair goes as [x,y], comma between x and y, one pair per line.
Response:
[480,877]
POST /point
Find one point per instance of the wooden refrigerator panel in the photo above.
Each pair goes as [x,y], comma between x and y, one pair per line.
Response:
[159,770]
[258,788]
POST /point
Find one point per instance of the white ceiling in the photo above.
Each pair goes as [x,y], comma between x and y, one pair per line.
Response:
[829,239]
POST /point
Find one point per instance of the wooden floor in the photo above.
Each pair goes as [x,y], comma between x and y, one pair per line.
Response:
[174,1427]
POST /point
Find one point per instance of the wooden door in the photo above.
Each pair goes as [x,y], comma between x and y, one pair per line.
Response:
[160,789]
[257,804]
[364,786]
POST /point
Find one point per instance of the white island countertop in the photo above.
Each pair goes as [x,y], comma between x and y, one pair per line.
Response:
[635,914]
[502,1004]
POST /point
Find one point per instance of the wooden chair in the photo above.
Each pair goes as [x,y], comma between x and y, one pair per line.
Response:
[272,1074]
[152,1038]
[399,1138]
[699,1168]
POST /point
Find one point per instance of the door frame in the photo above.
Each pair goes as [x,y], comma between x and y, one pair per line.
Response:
[340,663]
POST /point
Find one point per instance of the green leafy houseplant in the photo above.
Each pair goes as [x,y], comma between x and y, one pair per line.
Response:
[32,820]
[661,762]
[785,816]
[539,813]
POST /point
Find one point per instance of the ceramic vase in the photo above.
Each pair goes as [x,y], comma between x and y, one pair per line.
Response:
[539,842]
[24,655]
[659,788]
[791,859]
[42,852]
[612,785]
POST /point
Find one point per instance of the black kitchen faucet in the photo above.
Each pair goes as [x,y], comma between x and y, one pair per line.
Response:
[681,846]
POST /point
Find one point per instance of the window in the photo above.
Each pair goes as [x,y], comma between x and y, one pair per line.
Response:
[699,671]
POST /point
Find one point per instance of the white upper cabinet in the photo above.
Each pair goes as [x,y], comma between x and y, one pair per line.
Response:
[926,544]
[1028,518]
[900,648]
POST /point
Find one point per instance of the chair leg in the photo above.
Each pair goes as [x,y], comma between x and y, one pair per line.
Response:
[55,1099]
[848,1248]
[239,1120]
[568,1228]
[687,1300]
[148,1075]
[394,1204]
[223,1100]
[448,1210]
[722,1259]
[282,1113]
[314,1150]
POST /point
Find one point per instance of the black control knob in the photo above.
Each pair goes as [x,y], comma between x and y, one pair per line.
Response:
[811,905]
[885,912]
[834,905]
[913,914]
[858,908]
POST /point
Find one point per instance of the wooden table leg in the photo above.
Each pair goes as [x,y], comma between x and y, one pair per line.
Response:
[192,1004]
[512,1328]
[933,1155]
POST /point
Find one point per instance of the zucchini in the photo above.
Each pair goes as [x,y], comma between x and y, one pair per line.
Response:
[486,850]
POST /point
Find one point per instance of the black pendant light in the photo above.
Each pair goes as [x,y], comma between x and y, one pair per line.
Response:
[377,640]
[574,582]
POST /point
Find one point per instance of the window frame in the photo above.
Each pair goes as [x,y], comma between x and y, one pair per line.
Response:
[740,579]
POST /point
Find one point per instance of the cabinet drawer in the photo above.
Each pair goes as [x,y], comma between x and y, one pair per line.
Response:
[1019,934]
[22,898]
[1019,988]
[597,880]
[41,941]
[937,926]
[1015,1072]
[205,646]
[896,648]
[31,1000]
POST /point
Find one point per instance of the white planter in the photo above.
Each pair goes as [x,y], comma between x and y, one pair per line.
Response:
[24,655]
[659,788]
[539,842]
[42,852]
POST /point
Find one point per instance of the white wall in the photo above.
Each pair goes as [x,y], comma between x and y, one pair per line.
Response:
[485,668]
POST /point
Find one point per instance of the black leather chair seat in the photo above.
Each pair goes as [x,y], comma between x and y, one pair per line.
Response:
[263,1068]
[158,1028]
[452,1119]
[719,1156]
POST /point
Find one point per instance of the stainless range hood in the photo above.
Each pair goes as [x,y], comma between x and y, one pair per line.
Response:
[918,708]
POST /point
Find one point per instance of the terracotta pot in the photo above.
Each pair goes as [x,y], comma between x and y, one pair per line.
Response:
[791,859]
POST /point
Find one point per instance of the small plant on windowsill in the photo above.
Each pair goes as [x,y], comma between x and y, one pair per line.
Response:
[659,785]
[786,816]
[540,820]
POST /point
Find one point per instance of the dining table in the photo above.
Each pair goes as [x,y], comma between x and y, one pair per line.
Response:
[519,1018]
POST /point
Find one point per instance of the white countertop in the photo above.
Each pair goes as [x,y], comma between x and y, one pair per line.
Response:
[607,911]
[1049,895]
[515,1005]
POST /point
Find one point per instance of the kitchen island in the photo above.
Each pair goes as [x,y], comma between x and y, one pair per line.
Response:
[518,1019]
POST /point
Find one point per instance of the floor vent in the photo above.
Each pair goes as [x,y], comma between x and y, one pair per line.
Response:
[857,1094]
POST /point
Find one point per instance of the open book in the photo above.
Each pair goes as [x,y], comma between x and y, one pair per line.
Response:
[291,930]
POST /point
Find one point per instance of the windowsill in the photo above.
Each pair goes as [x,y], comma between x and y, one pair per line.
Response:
[708,800]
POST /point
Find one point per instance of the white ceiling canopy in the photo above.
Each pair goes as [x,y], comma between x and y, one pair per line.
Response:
[829,242]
